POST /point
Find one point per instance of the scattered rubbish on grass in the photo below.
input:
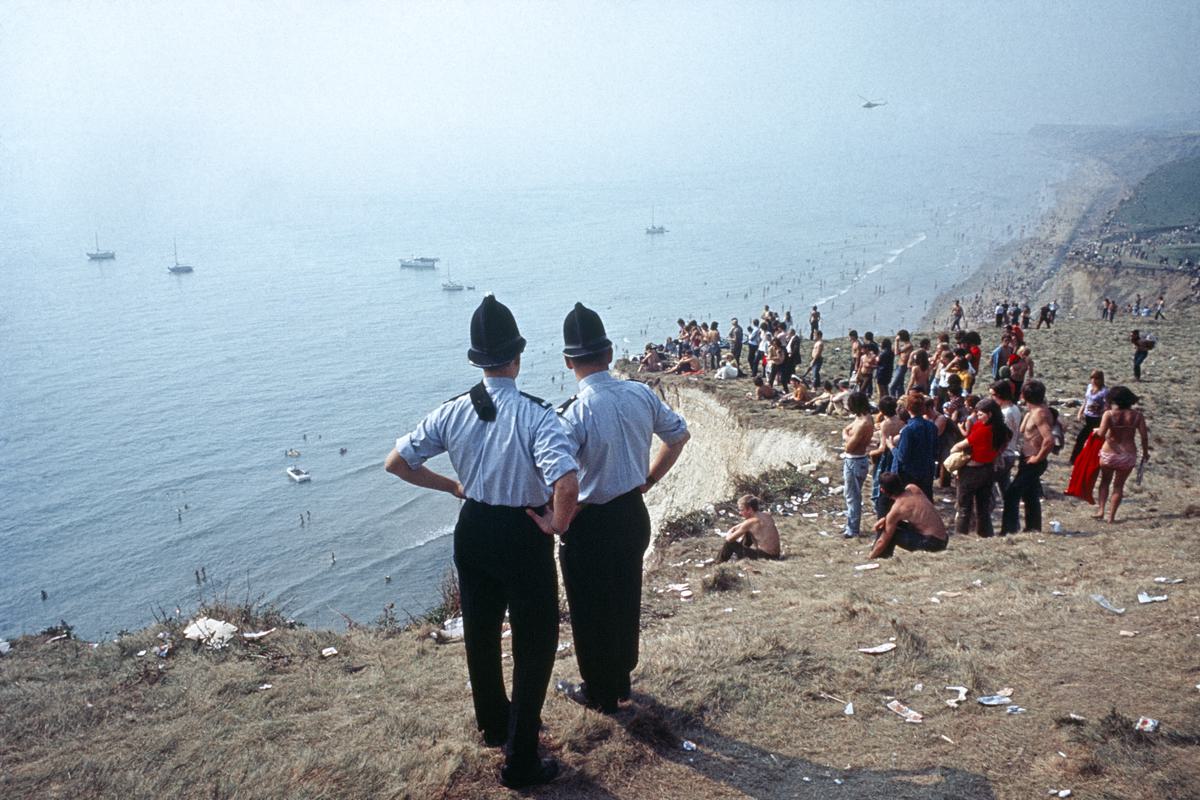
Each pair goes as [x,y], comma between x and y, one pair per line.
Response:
[954,702]
[1129,634]
[59,638]
[878,649]
[820,575]
[141,653]
[729,611]
[5,647]
[1060,792]
[944,593]
[947,738]
[163,650]
[689,745]
[215,633]
[848,710]
[265,687]
[563,646]
[977,583]
[1000,698]
[1055,526]
[1102,601]
[865,567]
[705,562]
[1146,597]
[1076,717]
[676,587]
[810,516]
[909,715]
[1057,593]
[254,636]
[1014,709]
[947,500]
[1146,725]
[823,480]
[452,630]
[937,600]
[1062,754]
[683,563]
[822,533]
[838,781]
[329,652]
[162,635]
[919,687]
[1164,579]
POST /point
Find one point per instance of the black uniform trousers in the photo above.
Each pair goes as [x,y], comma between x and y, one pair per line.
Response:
[601,559]
[505,562]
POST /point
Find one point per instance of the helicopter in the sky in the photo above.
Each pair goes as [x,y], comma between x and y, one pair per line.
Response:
[872,103]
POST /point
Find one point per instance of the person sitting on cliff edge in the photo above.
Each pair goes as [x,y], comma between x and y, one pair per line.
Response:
[755,537]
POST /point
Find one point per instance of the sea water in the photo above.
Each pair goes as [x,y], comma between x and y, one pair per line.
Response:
[145,415]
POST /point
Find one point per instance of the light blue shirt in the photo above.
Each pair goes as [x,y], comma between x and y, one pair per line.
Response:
[610,424]
[512,461]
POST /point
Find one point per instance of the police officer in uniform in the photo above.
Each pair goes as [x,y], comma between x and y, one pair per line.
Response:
[610,423]
[511,454]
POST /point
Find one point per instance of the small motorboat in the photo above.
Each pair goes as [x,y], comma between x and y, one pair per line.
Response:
[292,453]
[298,475]
[419,262]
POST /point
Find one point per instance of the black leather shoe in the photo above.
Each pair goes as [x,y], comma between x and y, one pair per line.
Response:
[495,738]
[535,774]
[578,693]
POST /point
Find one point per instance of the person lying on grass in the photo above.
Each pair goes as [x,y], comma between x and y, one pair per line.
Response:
[912,523]
[755,537]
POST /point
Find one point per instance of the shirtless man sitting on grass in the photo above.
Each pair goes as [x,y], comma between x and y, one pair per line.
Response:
[755,537]
[912,523]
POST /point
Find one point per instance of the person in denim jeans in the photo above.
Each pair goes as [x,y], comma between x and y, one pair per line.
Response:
[856,438]
[904,349]
[889,427]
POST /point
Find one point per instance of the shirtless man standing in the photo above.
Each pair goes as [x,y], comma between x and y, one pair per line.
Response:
[756,537]
[912,523]
[904,350]
[856,439]
[1037,439]
[818,357]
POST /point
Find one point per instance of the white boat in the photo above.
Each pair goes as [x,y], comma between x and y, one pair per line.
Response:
[653,229]
[451,285]
[101,255]
[419,262]
[292,453]
[298,475]
[179,269]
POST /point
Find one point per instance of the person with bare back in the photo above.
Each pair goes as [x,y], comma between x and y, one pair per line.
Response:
[856,439]
[754,537]
[1120,427]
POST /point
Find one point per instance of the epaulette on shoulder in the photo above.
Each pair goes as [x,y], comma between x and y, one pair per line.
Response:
[536,399]
[564,405]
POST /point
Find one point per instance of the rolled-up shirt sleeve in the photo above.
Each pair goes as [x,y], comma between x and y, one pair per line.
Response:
[668,425]
[553,451]
[423,443]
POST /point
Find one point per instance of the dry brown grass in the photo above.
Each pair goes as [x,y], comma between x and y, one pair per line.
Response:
[744,670]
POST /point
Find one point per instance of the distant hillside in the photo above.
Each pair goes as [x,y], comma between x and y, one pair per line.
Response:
[1167,197]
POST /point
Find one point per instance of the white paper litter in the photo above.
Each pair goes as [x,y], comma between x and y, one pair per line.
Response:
[215,633]
[1162,579]
[954,702]
[1146,597]
[5,648]
[909,715]
[1127,634]
[886,647]
[865,567]
[254,636]
[1102,601]
[329,652]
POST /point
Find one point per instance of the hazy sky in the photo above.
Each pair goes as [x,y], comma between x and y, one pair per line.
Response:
[414,91]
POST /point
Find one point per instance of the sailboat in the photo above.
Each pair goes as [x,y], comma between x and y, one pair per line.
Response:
[179,269]
[654,230]
[101,255]
[451,285]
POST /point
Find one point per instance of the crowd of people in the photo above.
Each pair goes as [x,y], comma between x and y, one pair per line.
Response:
[924,412]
